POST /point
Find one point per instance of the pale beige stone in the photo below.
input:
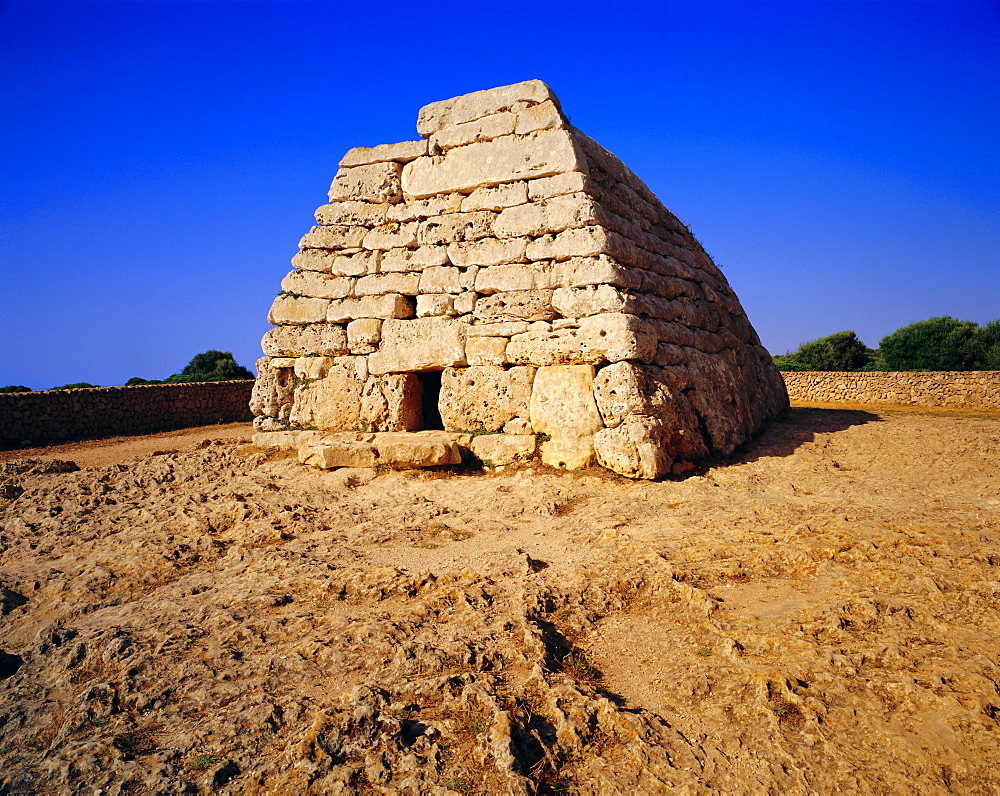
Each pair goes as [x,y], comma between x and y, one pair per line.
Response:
[484,129]
[272,389]
[358,264]
[488,252]
[390,306]
[562,405]
[517,425]
[312,367]
[469,107]
[414,259]
[465,302]
[435,304]
[496,197]
[332,402]
[378,182]
[584,242]
[364,335]
[383,284]
[456,227]
[558,185]
[627,389]
[287,440]
[317,285]
[486,350]
[543,116]
[506,278]
[420,344]
[545,217]
[392,402]
[636,449]
[333,238]
[501,160]
[498,329]
[403,152]
[420,449]
[519,305]
[591,300]
[609,337]
[440,279]
[289,309]
[483,397]
[467,278]
[348,213]
[284,362]
[296,341]
[392,236]
[502,449]
[419,209]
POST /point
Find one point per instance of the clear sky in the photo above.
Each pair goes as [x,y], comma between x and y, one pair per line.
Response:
[160,160]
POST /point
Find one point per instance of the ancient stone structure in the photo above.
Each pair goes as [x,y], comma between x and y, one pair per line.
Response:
[977,389]
[508,278]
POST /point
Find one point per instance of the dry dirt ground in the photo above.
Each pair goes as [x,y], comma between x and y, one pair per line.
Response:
[818,615]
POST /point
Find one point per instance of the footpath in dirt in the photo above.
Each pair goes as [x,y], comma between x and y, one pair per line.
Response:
[819,614]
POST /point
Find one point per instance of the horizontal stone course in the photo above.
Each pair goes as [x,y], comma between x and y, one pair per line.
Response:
[958,389]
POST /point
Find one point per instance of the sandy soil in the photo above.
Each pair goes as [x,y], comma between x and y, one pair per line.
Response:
[820,614]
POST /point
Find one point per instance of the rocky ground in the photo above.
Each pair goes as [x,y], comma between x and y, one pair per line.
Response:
[820,614]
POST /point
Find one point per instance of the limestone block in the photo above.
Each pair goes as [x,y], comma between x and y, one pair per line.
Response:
[421,344]
[469,107]
[384,284]
[392,236]
[357,264]
[392,402]
[518,305]
[505,278]
[486,350]
[484,129]
[271,390]
[332,402]
[669,354]
[331,453]
[363,335]
[419,209]
[545,217]
[390,306]
[562,405]
[591,300]
[349,213]
[488,252]
[627,389]
[308,367]
[286,440]
[467,278]
[483,396]
[501,160]
[465,302]
[283,362]
[584,242]
[558,185]
[317,285]
[610,337]
[635,449]
[333,238]
[289,309]
[496,197]
[543,116]
[517,425]
[403,152]
[421,449]
[413,259]
[435,304]
[440,279]
[498,329]
[378,182]
[456,227]
[502,449]
[296,341]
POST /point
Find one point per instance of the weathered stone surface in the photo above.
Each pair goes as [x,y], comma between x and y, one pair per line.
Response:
[508,329]
[440,279]
[483,397]
[413,259]
[423,449]
[295,341]
[420,344]
[502,449]
[521,305]
[364,335]
[562,405]
[486,350]
[635,449]
[382,284]
[390,306]
[332,402]
[312,368]
[456,227]
[392,236]
[517,425]
[272,390]
[348,213]
[419,209]
[392,402]
[337,263]
[291,309]
[485,129]
[435,304]
[488,252]
[600,338]
[506,159]
[333,238]
[548,216]
[339,450]
[378,182]
[403,152]
[317,285]
[584,242]
[543,116]
[465,302]
[287,440]
[506,278]
[469,107]
[558,185]
[496,197]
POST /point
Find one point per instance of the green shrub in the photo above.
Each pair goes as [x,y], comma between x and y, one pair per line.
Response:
[77,386]
[211,365]
[942,343]
[15,388]
[139,380]
[842,351]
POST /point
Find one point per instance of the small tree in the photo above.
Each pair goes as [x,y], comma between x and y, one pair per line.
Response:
[842,351]
[211,365]
[943,343]
[15,388]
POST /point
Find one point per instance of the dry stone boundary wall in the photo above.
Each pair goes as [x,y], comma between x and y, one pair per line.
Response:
[89,413]
[958,389]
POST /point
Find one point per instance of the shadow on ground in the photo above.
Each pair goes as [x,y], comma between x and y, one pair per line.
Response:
[800,426]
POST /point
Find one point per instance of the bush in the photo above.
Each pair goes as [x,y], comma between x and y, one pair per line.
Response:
[136,380]
[842,351]
[943,343]
[211,365]
[15,388]
[77,386]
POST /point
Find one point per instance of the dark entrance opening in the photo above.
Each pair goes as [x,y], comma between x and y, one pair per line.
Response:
[430,392]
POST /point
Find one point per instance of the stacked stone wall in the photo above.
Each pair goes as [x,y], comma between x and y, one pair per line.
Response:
[63,415]
[960,390]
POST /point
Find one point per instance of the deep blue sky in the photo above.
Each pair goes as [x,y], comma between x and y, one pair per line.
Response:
[160,160]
